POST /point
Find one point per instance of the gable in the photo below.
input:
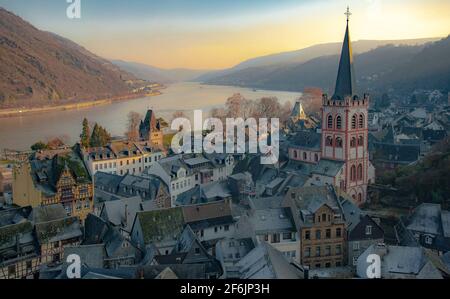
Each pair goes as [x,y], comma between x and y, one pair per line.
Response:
[359,231]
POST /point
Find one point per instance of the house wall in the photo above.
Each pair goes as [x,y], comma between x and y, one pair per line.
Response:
[24,192]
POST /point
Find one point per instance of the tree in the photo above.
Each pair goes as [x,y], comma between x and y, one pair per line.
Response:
[238,106]
[39,146]
[99,137]
[85,134]
[268,107]
[134,119]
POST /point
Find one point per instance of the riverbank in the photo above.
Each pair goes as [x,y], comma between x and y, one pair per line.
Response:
[13,112]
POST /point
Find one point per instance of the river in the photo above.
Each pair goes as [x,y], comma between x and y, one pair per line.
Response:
[22,131]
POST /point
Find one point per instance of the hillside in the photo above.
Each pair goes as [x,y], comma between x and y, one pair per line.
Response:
[401,67]
[154,74]
[309,53]
[39,67]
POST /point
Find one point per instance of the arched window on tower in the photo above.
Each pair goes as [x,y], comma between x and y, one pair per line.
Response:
[361,141]
[360,172]
[354,121]
[338,142]
[316,157]
[295,154]
[329,141]
[353,142]
[359,197]
[361,121]
[330,122]
[353,173]
[338,122]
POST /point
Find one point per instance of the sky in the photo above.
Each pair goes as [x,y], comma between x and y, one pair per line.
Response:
[216,34]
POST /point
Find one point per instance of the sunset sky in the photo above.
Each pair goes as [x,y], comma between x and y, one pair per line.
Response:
[213,34]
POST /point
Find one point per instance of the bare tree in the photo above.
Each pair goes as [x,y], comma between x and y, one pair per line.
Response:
[312,99]
[134,119]
[268,107]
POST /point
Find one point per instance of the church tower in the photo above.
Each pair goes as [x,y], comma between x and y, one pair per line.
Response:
[345,127]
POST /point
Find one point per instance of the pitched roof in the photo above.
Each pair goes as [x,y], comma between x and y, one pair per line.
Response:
[161,224]
[57,230]
[195,213]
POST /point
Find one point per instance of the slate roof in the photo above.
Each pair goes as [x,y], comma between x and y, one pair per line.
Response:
[205,215]
[182,271]
[345,82]
[48,213]
[57,230]
[272,220]
[91,255]
[9,233]
[306,140]
[46,171]
[265,262]
[161,224]
[328,167]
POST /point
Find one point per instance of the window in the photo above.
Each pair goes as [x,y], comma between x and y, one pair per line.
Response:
[305,156]
[318,251]
[368,230]
[361,121]
[338,264]
[276,238]
[324,217]
[338,232]
[307,252]
[328,234]
[353,173]
[356,246]
[355,260]
[327,265]
[338,122]
[215,229]
[330,122]
[318,265]
[316,157]
[227,228]
[328,250]
[318,234]
[361,141]
[307,235]
[29,265]
[287,236]
[197,251]
[266,238]
[353,142]
[354,121]
[329,141]
[428,239]
[338,142]
[359,197]
[338,249]
[360,172]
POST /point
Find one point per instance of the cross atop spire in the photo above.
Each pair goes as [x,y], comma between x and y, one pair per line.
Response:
[348,13]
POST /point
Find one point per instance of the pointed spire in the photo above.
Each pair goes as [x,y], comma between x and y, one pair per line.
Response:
[345,83]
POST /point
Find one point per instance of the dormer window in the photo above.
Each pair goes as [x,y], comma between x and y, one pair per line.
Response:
[368,230]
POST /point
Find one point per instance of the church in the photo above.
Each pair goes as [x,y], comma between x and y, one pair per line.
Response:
[337,153]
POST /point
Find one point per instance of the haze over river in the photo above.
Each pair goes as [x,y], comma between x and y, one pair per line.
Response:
[22,131]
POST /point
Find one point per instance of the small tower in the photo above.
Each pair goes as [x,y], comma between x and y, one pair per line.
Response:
[344,126]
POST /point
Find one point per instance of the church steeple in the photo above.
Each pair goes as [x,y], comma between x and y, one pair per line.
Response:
[345,83]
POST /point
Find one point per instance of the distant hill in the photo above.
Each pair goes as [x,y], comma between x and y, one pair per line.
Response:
[154,74]
[390,66]
[40,67]
[306,54]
